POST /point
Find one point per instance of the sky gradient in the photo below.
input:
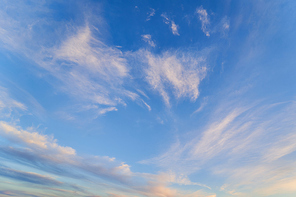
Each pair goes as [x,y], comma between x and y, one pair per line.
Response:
[146,98]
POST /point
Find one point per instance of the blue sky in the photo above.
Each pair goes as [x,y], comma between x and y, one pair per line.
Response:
[147,98]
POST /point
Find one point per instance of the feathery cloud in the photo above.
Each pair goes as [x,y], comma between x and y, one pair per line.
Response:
[172,24]
[150,14]
[205,21]
[80,63]
[180,72]
[237,135]
[147,38]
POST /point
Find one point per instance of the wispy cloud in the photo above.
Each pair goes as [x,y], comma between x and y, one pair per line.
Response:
[18,193]
[205,21]
[81,64]
[147,38]
[9,105]
[222,27]
[81,59]
[86,51]
[174,28]
[150,14]
[255,154]
[171,23]
[31,149]
[179,72]
[29,177]
[50,157]
[202,105]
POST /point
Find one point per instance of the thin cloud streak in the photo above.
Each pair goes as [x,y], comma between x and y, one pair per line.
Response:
[29,177]
[239,135]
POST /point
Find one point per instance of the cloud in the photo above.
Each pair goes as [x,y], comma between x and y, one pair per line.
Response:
[283,186]
[180,179]
[33,150]
[222,27]
[150,14]
[205,21]
[89,69]
[202,105]
[9,105]
[172,24]
[29,177]
[103,111]
[86,51]
[16,193]
[35,140]
[180,72]
[74,55]
[147,38]
[28,147]
[255,150]
[48,156]
[174,28]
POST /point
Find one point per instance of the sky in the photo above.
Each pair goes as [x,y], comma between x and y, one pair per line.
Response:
[166,98]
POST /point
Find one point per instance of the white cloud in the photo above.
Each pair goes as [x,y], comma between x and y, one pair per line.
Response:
[147,38]
[205,21]
[86,51]
[87,67]
[176,71]
[80,63]
[150,14]
[174,28]
[148,106]
[256,142]
[172,24]
[223,26]
[283,146]
[166,19]
[34,140]
[103,111]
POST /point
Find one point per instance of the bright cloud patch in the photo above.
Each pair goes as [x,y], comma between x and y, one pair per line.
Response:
[172,24]
[86,66]
[205,21]
[34,140]
[147,38]
[86,51]
[179,72]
